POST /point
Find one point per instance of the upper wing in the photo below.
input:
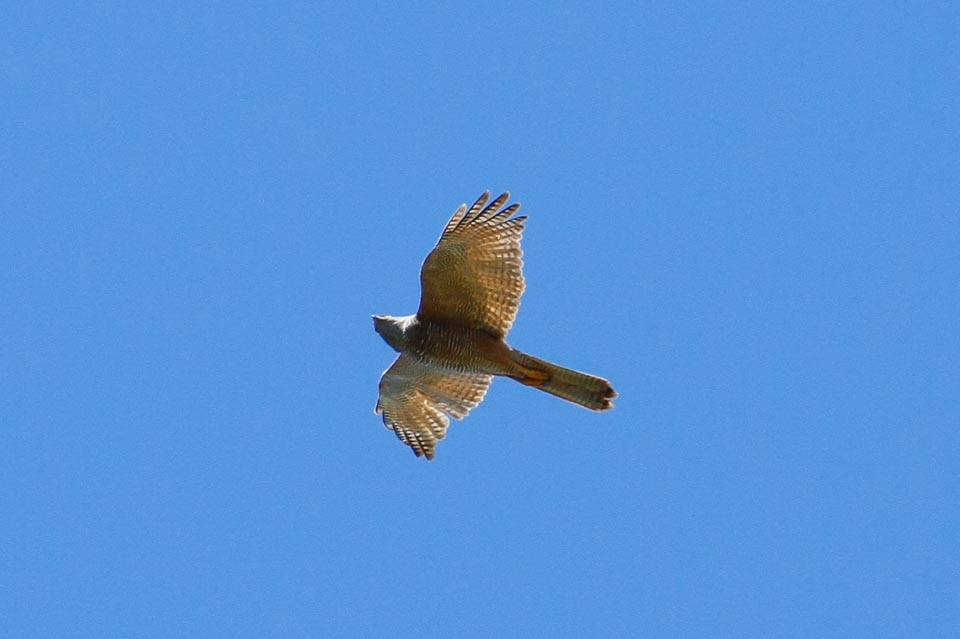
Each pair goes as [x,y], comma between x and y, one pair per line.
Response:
[415,399]
[474,275]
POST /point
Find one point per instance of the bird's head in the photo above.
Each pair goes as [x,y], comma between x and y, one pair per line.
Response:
[392,329]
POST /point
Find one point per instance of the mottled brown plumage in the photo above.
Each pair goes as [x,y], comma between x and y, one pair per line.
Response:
[471,284]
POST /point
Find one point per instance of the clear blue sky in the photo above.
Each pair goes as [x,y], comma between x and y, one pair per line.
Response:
[745,216]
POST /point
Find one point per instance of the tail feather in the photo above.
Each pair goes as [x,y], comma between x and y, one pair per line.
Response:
[590,392]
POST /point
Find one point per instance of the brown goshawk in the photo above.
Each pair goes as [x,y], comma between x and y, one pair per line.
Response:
[450,350]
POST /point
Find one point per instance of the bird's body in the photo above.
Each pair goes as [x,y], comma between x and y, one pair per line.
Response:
[452,347]
[458,348]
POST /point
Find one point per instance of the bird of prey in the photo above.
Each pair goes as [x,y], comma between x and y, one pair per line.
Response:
[452,347]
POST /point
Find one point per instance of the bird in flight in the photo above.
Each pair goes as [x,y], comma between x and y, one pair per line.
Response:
[471,284]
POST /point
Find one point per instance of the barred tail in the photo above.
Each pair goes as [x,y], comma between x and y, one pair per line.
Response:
[590,392]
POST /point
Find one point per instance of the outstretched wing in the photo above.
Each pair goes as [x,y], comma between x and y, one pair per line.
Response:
[416,399]
[474,277]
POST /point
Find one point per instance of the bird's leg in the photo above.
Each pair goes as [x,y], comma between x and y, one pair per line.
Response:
[532,377]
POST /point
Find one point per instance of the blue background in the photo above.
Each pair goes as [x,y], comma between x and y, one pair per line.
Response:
[746,216]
